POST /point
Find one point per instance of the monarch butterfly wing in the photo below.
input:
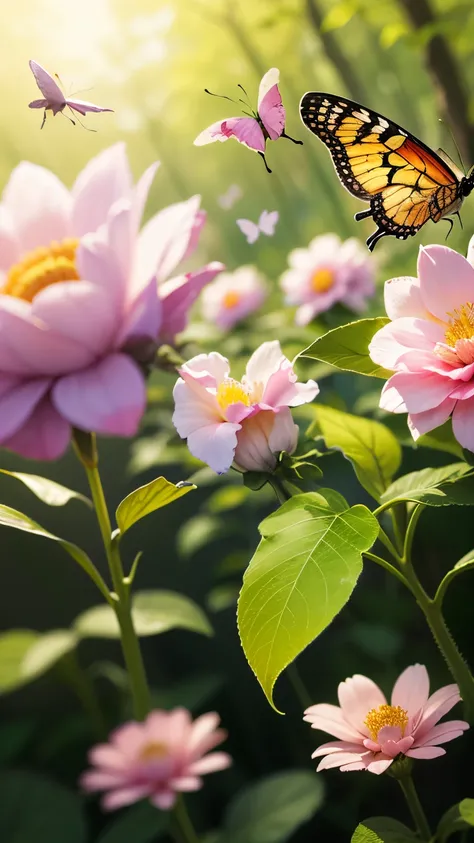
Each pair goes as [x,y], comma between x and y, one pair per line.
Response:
[377,161]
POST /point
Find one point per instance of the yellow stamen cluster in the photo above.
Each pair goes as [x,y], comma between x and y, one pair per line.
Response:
[230,300]
[386,715]
[322,280]
[232,392]
[40,268]
[461,325]
[154,752]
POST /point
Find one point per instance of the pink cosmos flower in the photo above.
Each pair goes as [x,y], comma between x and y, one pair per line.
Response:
[157,759]
[373,732]
[247,422]
[79,299]
[326,272]
[430,344]
[233,296]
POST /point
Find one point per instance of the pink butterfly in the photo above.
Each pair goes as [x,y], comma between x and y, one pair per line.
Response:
[265,225]
[267,123]
[54,99]
[230,197]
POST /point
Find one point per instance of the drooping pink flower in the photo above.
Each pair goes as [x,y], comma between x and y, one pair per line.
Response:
[233,296]
[429,344]
[373,732]
[328,271]
[247,422]
[79,301]
[166,754]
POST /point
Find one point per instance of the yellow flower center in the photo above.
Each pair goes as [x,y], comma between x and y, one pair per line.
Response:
[154,752]
[386,715]
[230,300]
[232,392]
[41,267]
[461,325]
[322,280]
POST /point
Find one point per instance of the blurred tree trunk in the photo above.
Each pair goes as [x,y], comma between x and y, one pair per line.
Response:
[446,74]
[335,54]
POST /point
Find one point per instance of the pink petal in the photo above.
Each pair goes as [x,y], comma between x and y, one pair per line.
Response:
[44,436]
[437,706]
[210,764]
[104,180]
[209,369]
[392,748]
[357,696]
[129,738]
[194,408]
[266,361]
[10,250]
[81,312]
[17,402]
[179,294]
[402,298]
[215,445]
[411,689]
[108,397]
[337,746]
[330,719]
[394,339]
[414,392]
[186,784]
[420,423]
[143,317]
[140,193]
[163,800]
[97,263]
[353,767]
[164,240]
[442,733]
[284,433]
[379,765]
[125,796]
[45,215]
[446,280]
[98,780]
[463,427]
[337,759]
[470,251]
[426,752]
[203,734]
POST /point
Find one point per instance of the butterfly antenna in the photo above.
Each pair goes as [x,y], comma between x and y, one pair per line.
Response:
[59,80]
[449,220]
[87,128]
[458,215]
[221,96]
[456,147]
[246,94]
[262,155]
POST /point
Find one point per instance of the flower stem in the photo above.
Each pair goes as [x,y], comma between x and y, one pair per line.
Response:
[183,823]
[81,684]
[416,810]
[300,689]
[279,489]
[121,598]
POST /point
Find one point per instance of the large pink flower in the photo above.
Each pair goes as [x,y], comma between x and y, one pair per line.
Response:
[326,272]
[430,345]
[156,759]
[243,422]
[373,732]
[79,299]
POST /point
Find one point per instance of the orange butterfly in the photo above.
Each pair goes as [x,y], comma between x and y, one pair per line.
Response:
[405,182]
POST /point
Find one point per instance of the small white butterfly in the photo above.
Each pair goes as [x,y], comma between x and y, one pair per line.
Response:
[265,225]
[230,197]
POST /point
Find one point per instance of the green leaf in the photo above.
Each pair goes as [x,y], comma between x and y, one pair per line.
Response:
[35,809]
[48,649]
[434,486]
[458,818]
[19,521]
[441,439]
[347,348]
[271,810]
[383,830]
[14,645]
[466,560]
[47,490]
[227,497]
[466,809]
[198,532]
[370,446]
[153,612]
[141,823]
[301,575]
[146,499]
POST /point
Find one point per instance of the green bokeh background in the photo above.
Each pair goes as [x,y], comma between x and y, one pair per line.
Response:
[150,61]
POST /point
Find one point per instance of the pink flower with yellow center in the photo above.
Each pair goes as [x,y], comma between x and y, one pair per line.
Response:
[328,271]
[166,754]
[233,296]
[84,294]
[429,344]
[373,732]
[245,423]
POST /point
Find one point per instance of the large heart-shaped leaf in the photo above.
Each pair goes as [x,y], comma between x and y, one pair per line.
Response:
[450,484]
[153,612]
[347,348]
[301,575]
[271,810]
[160,492]
[46,490]
[383,830]
[33,809]
[371,447]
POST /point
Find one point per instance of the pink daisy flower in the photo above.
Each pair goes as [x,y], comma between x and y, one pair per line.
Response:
[233,296]
[372,732]
[166,754]
[84,294]
[245,423]
[429,344]
[328,271]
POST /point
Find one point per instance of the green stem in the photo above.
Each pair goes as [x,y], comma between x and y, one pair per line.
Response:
[447,580]
[300,689]
[415,807]
[410,533]
[279,489]
[398,515]
[389,545]
[186,833]
[387,565]
[81,684]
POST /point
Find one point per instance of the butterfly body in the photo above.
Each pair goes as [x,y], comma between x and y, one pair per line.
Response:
[405,182]
[54,99]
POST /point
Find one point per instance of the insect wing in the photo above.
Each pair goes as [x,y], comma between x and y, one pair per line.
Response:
[48,87]
[245,130]
[83,107]
[270,106]
[250,229]
[267,222]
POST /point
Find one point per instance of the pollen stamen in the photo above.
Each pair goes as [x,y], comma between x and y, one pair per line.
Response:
[386,715]
[461,325]
[231,391]
[40,268]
